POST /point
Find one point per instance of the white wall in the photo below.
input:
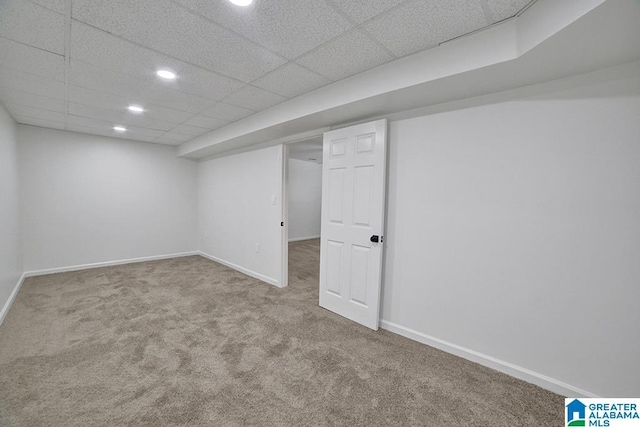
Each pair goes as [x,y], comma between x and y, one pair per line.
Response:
[236,211]
[10,250]
[514,231]
[89,199]
[305,196]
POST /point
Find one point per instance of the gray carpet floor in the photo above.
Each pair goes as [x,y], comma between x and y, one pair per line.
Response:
[189,342]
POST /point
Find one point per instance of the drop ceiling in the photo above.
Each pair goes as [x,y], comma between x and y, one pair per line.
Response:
[78,64]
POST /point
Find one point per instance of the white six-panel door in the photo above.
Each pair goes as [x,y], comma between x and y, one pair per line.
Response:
[353,197]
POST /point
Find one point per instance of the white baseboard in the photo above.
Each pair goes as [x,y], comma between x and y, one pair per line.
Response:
[524,374]
[12,297]
[242,270]
[106,264]
[299,239]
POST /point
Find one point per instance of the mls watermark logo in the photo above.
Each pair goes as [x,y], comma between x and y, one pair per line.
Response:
[602,412]
[575,413]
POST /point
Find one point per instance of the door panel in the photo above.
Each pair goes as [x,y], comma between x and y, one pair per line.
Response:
[336,187]
[359,271]
[353,197]
[364,143]
[338,148]
[362,195]
[334,267]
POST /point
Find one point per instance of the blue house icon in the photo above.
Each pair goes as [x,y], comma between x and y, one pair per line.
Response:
[573,407]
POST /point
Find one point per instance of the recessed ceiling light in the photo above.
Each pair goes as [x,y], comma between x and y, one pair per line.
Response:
[120,128]
[166,74]
[136,109]
[241,2]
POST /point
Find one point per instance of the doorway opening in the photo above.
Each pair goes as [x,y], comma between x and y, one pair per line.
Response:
[350,202]
[303,182]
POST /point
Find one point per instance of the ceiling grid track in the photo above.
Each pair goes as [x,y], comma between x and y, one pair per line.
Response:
[524,9]
[360,27]
[67,59]
[249,83]
[487,12]
[150,49]
[242,36]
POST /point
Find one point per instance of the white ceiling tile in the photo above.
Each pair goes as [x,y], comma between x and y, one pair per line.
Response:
[55,5]
[189,131]
[31,83]
[32,60]
[172,139]
[168,28]
[227,112]
[127,58]
[363,10]
[24,120]
[122,116]
[19,97]
[206,122]
[423,24]
[254,98]
[288,27]
[291,80]
[129,135]
[32,24]
[107,125]
[95,98]
[349,54]
[503,9]
[138,91]
[36,113]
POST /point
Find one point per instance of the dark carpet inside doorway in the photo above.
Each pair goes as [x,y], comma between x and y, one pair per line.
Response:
[189,342]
